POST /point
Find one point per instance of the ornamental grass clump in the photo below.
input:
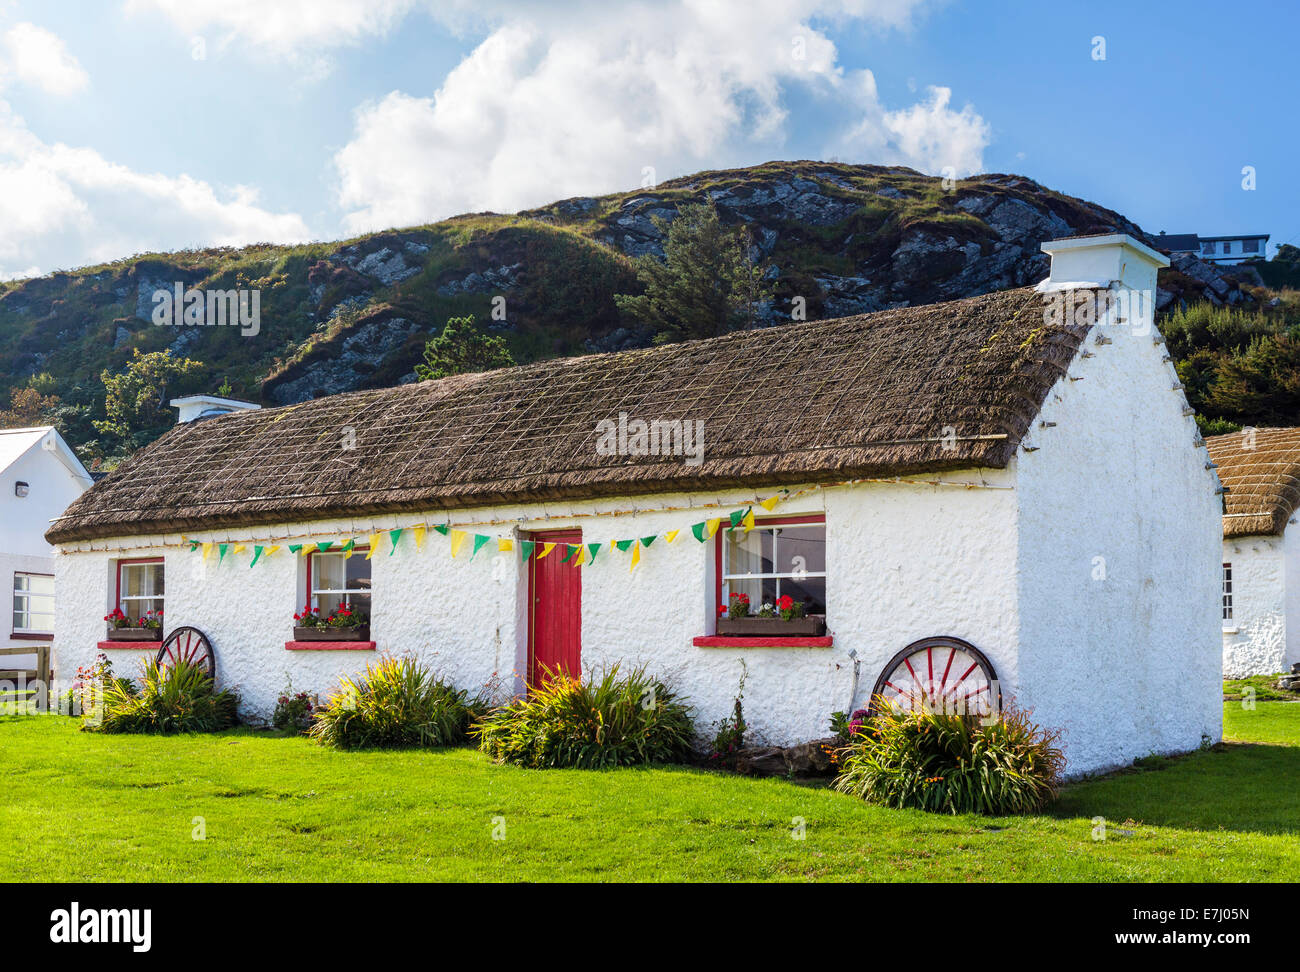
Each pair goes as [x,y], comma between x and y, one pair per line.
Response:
[595,723]
[169,698]
[397,703]
[952,763]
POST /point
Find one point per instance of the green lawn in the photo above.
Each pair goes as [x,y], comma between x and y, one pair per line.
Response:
[103,808]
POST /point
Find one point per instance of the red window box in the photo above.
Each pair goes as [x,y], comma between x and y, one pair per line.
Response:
[789,641]
[150,646]
[329,646]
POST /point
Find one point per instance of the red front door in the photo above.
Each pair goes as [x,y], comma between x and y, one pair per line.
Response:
[555,609]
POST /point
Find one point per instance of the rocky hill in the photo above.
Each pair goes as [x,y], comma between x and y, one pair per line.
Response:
[354,314]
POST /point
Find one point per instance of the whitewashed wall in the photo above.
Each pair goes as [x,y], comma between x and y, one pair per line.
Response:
[1126,662]
[904,562]
[1255,641]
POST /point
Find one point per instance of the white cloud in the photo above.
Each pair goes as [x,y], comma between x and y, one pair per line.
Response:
[284,25]
[553,104]
[33,55]
[62,206]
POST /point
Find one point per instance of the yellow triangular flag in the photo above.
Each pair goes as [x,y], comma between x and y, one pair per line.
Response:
[457,538]
[769,504]
[749,519]
[307,549]
[636,556]
[373,540]
[671,535]
[714,524]
[207,549]
[546,548]
[504,545]
[270,550]
[239,548]
[582,556]
[418,532]
[349,551]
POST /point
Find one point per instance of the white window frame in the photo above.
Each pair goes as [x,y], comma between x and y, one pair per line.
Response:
[1225,599]
[727,576]
[313,572]
[149,562]
[27,596]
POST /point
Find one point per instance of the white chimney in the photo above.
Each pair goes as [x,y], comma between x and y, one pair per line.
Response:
[1102,261]
[195,407]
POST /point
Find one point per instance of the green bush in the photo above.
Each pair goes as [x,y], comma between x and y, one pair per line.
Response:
[951,763]
[396,703]
[590,724]
[174,698]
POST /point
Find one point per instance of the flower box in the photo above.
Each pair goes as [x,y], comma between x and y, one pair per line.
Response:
[320,633]
[134,634]
[809,627]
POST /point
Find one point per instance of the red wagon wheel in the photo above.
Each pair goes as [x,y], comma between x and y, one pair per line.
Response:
[189,645]
[940,675]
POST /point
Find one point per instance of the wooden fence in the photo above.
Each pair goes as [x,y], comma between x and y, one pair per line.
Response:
[37,680]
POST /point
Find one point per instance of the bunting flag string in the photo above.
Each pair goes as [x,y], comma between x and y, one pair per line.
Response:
[574,554]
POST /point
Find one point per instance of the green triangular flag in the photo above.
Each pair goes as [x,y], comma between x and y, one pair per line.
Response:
[570,549]
[593,547]
[736,517]
[257,553]
[526,548]
[394,535]
[442,528]
[646,541]
[698,529]
[324,545]
[294,547]
[222,548]
[623,544]
[347,546]
[479,540]
[194,545]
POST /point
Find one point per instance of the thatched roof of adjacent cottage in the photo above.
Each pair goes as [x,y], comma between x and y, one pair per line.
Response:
[1261,469]
[872,395]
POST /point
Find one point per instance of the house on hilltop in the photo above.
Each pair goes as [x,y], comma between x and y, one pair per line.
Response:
[975,500]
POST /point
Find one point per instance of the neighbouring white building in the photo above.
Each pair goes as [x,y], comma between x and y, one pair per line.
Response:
[1231,250]
[1004,492]
[1260,600]
[39,477]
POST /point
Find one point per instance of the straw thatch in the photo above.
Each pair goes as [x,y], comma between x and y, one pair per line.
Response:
[1261,469]
[942,386]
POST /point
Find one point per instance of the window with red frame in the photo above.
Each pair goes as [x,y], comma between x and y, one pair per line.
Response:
[779,557]
[334,579]
[139,587]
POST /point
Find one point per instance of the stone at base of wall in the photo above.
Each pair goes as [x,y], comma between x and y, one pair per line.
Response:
[806,759]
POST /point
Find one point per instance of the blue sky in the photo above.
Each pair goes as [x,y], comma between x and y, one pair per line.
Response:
[158,124]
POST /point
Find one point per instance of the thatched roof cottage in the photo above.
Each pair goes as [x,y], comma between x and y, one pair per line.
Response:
[1259,603]
[964,500]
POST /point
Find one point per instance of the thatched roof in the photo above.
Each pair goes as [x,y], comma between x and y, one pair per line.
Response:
[810,402]
[1261,469]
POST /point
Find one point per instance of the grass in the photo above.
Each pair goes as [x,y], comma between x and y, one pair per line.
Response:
[1265,687]
[279,808]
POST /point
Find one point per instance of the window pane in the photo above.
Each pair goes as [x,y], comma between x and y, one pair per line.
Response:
[142,580]
[40,584]
[748,553]
[136,608]
[38,621]
[810,592]
[357,602]
[327,572]
[801,549]
[358,574]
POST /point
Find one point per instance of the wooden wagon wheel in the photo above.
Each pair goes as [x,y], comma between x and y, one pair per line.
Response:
[188,645]
[941,675]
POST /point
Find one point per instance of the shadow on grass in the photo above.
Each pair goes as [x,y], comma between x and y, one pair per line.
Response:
[1243,787]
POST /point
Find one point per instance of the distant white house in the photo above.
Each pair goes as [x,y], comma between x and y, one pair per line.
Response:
[191,408]
[39,477]
[1226,250]
[1260,601]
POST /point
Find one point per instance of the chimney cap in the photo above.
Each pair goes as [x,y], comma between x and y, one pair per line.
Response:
[1075,243]
[195,407]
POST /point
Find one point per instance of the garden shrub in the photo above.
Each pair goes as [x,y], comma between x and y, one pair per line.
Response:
[293,711]
[952,763]
[590,724]
[397,703]
[172,698]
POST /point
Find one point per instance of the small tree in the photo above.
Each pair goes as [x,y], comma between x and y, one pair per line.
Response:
[706,285]
[462,348]
[135,402]
[28,407]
